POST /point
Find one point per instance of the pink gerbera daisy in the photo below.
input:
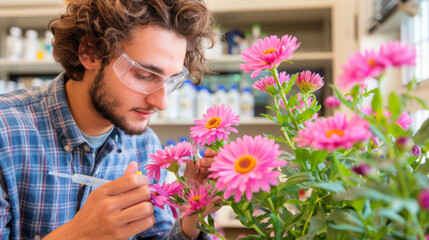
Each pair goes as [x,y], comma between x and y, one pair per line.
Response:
[398,54]
[270,81]
[362,66]
[160,195]
[309,82]
[215,125]
[334,132]
[268,53]
[199,197]
[247,165]
[170,158]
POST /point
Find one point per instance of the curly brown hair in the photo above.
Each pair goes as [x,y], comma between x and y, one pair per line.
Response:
[107,24]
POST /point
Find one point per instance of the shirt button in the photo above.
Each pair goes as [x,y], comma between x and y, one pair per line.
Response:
[86,148]
[67,148]
[37,237]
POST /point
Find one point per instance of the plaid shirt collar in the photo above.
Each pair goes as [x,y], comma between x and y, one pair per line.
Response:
[64,124]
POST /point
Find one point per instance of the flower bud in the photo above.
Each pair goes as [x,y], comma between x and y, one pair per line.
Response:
[332,102]
[363,169]
[424,199]
[374,142]
[416,151]
[403,143]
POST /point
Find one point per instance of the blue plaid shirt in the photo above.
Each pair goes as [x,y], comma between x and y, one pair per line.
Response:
[38,135]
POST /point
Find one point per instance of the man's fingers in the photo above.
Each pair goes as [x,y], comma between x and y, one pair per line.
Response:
[136,212]
[133,197]
[192,169]
[132,168]
[206,162]
[124,184]
[210,153]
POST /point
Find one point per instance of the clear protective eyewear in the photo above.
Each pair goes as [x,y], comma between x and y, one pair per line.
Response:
[144,80]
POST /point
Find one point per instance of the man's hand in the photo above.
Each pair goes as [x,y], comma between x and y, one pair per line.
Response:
[199,170]
[117,210]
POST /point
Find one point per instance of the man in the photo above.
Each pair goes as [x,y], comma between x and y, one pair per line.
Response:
[121,59]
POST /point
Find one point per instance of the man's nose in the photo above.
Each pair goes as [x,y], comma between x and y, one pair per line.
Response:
[158,99]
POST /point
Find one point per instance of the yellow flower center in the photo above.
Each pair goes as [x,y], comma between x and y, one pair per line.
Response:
[331,132]
[196,198]
[214,122]
[271,50]
[371,63]
[245,164]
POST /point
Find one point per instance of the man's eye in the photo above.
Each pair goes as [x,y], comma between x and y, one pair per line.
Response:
[143,76]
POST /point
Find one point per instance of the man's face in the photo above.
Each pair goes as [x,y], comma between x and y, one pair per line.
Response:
[154,48]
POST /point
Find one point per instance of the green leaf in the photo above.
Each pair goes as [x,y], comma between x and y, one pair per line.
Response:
[388,213]
[347,227]
[317,157]
[423,103]
[302,155]
[277,226]
[341,98]
[395,105]
[317,223]
[422,135]
[377,102]
[335,187]
[298,178]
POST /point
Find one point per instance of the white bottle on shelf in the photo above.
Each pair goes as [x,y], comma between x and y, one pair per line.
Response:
[233,99]
[172,112]
[247,104]
[187,97]
[204,100]
[47,46]
[31,45]
[14,44]
[219,97]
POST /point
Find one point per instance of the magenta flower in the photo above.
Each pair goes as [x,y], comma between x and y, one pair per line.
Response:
[270,81]
[398,54]
[215,125]
[309,82]
[416,151]
[170,158]
[247,165]
[363,169]
[160,195]
[404,121]
[332,102]
[362,66]
[198,198]
[268,53]
[404,143]
[334,132]
[424,199]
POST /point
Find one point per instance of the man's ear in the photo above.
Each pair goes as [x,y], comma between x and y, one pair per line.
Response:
[86,56]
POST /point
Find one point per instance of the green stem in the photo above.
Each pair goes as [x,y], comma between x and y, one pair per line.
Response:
[179,178]
[276,77]
[273,209]
[337,165]
[308,220]
[249,218]
[212,230]
[402,181]
[284,132]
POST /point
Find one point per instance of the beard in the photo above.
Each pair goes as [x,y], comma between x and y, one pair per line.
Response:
[105,104]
